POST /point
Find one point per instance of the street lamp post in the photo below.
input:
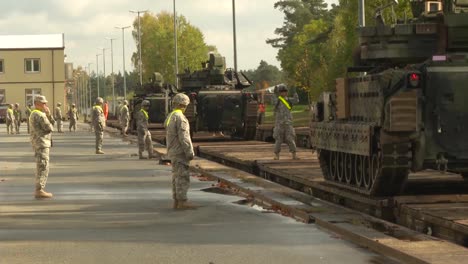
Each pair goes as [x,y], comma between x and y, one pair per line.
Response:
[234,33]
[139,43]
[97,73]
[104,94]
[123,56]
[175,46]
[90,88]
[112,74]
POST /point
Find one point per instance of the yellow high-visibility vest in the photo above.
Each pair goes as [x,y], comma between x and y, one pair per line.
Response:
[145,113]
[169,118]
[284,102]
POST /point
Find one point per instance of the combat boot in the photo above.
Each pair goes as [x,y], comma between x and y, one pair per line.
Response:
[294,156]
[140,155]
[42,194]
[276,156]
[175,204]
[185,205]
[99,152]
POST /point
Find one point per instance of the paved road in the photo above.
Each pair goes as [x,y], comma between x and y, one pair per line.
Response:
[114,208]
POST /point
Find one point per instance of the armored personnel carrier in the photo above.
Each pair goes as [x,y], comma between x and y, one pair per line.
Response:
[406,110]
[159,94]
[218,100]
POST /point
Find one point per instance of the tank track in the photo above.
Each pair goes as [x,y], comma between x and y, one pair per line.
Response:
[250,121]
[388,178]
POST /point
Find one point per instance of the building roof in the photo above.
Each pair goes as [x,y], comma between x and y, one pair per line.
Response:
[32,41]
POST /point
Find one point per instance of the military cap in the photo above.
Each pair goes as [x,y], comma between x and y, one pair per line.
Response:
[29,104]
[282,88]
[40,99]
[145,103]
[73,105]
[59,104]
[125,102]
[99,100]
[181,99]
[16,104]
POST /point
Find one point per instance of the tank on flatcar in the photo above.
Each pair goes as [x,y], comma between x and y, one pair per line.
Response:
[159,94]
[407,109]
[218,100]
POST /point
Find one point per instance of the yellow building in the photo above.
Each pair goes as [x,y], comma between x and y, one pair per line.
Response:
[32,65]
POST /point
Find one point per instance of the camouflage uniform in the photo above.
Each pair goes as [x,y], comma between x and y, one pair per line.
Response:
[73,116]
[58,117]
[10,120]
[17,113]
[124,118]
[99,123]
[144,136]
[284,130]
[27,113]
[180,151]
[41,140]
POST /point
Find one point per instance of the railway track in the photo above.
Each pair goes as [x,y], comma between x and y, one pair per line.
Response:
[430,204]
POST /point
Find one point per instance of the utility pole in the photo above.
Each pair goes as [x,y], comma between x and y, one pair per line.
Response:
[112,74]
[97,73]
[234,33]
[90,87]
[139,44]
[362,13]
[104,94]
[123,62]
[175,46]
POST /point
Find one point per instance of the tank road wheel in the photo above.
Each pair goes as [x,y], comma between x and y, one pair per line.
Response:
[358,169]
[332,168]
[374,168]
[349,168]
[341,166]
[366,173]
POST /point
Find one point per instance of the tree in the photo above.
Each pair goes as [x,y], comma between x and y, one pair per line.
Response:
[157,44]
[265,75]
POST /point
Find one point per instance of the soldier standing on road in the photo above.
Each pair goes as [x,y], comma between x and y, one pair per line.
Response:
[58,116]
[124,117]
[10,119]
[179,150]
[17,113]
[41,123]
[27,113]
[284,130]
[99,123]
[144,136]
[73,116]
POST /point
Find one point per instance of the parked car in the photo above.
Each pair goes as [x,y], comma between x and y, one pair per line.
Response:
[3,112]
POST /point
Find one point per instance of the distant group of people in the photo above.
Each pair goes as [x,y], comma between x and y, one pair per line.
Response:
[179,144]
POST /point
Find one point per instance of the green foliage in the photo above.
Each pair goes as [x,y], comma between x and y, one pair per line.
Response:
[157,44]
[264,76]
[317,45]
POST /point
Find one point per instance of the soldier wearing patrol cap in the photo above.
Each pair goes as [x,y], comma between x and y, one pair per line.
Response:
[124,117]
[99,123]
[58,117]
[284,130]
[27,112]
[179,150]
[10,120]
[17,113]
[41,123]
[73,116]
[144,136]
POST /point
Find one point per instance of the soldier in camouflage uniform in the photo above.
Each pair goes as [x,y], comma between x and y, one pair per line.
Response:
[144,136]
[99,123]
[10,119]
[124,117]
[41,123]
[17,113]
[179,150]
[284,130]
[58,116]
[73,116]
[27,113]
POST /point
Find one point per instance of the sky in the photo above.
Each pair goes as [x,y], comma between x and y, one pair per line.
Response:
[87,23]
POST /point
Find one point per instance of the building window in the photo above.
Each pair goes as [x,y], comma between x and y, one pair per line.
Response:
[1,66]
[32,65]
[30,94]
[2,96]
